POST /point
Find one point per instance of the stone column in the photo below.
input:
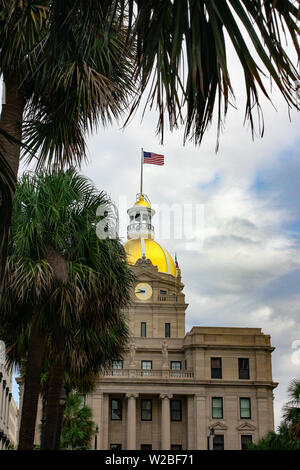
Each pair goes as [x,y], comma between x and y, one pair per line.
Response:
[165,421]
[190,423]
[131,420]
[200,422]
[106,421]
[97,408]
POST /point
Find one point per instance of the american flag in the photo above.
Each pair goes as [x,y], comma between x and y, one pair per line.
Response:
[154,158]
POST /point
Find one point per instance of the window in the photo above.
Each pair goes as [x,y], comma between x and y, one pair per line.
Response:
[117,364]
[175,365]
[146,367]
[216,368]
[115,446]
[167,330]
[185,364]
[176,411]
[116,409]
[117,367]
[218,442]
[176,447]
[245,440]
[244,368]
[217,407]
[143,330]
[245,408]
[146,446]
[162,295]
[146,410]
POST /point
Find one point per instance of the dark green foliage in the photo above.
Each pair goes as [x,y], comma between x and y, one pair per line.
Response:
[78,427]
[282,440]
[288,434]
[291,410]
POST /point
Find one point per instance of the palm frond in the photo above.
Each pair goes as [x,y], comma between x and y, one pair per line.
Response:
[78,83]
[173,35]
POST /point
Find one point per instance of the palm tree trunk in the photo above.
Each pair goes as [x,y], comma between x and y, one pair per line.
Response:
[52,408]
[59,426]
[36,349]
[52,425]
[11,122]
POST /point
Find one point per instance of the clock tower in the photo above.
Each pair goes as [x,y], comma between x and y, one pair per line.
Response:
[158,304]
[209,388]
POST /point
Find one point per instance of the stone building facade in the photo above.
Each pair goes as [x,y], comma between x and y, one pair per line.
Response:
[209,388]
[8,410]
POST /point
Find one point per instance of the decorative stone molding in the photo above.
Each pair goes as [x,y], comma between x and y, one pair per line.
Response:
[131,395]
[162,396]
[246,427]
[144,261]
[218,426]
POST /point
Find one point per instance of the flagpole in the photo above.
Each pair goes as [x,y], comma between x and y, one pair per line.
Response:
[141,188]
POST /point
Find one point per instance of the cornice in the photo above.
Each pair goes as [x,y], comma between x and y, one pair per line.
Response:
[186,382]
[220,346]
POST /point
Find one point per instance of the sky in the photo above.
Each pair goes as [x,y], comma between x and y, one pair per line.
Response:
[242,268]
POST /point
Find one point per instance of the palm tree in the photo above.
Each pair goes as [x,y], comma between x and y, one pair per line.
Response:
[287,436]
[60,278]
[78,427]
[291,410]
[86,352]
[280,440]
[70,65]
[63,76]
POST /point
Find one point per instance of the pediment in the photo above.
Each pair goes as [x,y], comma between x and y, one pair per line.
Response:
[144,268]
[218,426]
[146,272]
[246,427]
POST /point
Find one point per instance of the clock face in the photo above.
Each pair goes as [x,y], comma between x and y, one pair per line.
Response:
[143,291]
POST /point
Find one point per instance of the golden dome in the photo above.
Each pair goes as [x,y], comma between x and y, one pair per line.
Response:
[152,250]
[142,202]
